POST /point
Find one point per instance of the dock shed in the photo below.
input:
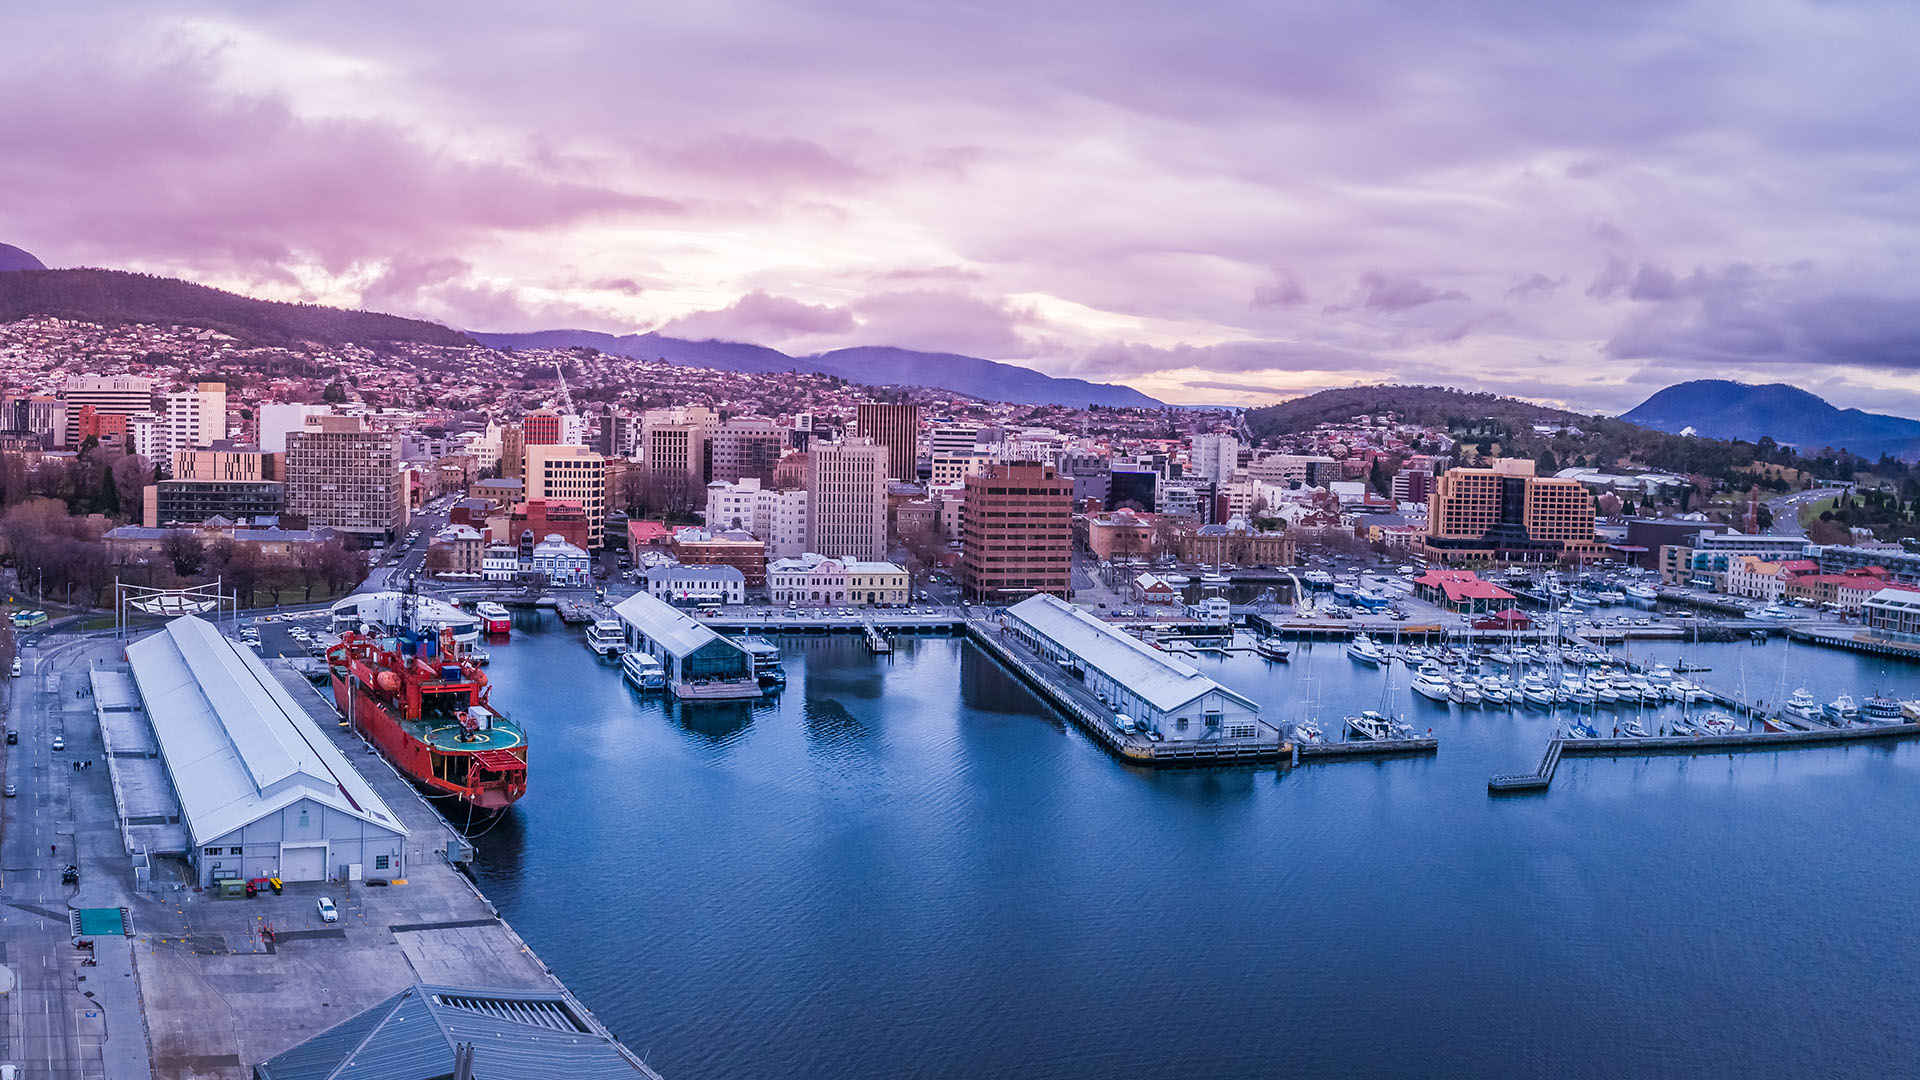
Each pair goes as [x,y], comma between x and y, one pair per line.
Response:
[262,791]
[699,663]
[1159,692]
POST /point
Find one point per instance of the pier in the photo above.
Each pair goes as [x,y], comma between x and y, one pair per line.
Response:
[877,642]
[1658,745]
[1367,748]
[1857,642]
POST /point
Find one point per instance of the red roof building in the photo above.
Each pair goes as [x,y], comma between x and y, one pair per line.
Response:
[1461,590]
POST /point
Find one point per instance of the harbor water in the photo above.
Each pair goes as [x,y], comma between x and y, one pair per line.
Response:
[908,865]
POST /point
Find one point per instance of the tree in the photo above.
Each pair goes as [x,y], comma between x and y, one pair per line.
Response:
[242,571]
[1377,477]
[1545,464]
[335,393]
[131,475]
[277,573]
[106,498]
[186,551]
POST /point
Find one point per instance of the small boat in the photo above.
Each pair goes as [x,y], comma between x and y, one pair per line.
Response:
[1841,707]
[1271,648]
[1463,692]
[643,671]
[1580,729]
[1611,596]
[1651,695]
[1371,725]
[494,618]
[1494,692]
[1717,723]
[1683,727]
[1603,691]
[1788,721]
[1642,593]
[1309,733]
[1688,691]
[1801,704]
[1363,649]
[1632,729]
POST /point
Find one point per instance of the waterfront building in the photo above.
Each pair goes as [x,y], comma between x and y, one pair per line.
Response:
[114,395]
[1159,692]
[575,474]
[542,517]
[847,499]
[807,580]
[463,547]
[1756,577]
[897,428]
[561,563]
[343,476]
[430,1032]
[1893,611]
[735,548]
[698,662]
[881,584]
[778,517]
[1016,532]
[683,585]
[1461,590]
[1504,513]
[500,562]
[1706,556]
[1841,558]
[262,791]
[1121,534]
[1236,542]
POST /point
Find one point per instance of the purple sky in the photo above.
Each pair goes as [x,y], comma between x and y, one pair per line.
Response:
[1212,202]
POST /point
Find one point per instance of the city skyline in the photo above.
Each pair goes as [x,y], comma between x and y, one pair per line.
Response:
[1578,207]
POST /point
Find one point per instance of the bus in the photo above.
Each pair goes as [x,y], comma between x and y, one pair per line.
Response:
[24,619]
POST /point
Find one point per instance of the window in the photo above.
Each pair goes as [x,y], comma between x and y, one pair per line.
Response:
[233,851]
[380,861]
[213,851]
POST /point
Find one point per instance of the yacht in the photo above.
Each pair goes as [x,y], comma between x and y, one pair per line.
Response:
[494,618]
[1842,707]
[1272,648]
[1632,729]
[1431,682]
[1643,593]
[1603,691]
[607,637]
[1611,596]
[1801,705]
[1688,691]
[1537,691]
[1717,723]
[1494,692]
[1363,649]
[1308,733]
[1372,725]
[643,671]
[1465,692]
[1580,729]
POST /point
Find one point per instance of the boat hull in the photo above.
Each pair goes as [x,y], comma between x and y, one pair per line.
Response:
[414,759]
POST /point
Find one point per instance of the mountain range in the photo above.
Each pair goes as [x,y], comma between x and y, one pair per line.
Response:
[872,365]
[28,288]
[1722,409]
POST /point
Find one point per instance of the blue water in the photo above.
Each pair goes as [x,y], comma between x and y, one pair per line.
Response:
[910,867]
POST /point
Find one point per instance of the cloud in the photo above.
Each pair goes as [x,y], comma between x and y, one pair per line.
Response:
[1284,291]
[1536,284]
[1393,293]
[761,318]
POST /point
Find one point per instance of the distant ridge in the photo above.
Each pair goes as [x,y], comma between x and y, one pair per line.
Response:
[1723,409]
[13,258]
[870,365]
[116,296]
[1430,405]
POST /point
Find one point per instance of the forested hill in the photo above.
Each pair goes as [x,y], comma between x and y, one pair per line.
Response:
[1431,406]
[114,297]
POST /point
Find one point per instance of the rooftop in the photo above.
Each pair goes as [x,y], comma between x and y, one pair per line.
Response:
[238,746]
[1157,678]
[665,624]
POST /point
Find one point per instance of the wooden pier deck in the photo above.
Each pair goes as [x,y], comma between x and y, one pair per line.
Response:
[1540,779]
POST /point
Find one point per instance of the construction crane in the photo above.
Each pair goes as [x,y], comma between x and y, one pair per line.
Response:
[566,399]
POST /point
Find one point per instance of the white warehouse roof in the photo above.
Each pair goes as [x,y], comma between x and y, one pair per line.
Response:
[1155,677]
[663,623]
[235,742]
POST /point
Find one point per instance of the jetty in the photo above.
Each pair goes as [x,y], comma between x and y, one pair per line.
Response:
[1660,745]
[877,642]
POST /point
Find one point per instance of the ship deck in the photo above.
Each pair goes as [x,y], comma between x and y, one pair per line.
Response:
[447,737]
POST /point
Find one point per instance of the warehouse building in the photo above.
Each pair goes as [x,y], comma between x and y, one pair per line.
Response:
[263,792]
[1156,691]
[699,663]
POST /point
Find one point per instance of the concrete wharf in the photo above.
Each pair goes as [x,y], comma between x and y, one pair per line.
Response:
[1857,642]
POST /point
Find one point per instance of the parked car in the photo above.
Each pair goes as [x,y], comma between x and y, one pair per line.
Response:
[59,742]
[328,913]
[12,791]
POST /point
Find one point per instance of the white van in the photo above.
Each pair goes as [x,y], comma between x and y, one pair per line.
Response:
[1126,723]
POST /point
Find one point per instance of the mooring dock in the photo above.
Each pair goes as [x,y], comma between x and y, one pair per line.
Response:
[1542,778]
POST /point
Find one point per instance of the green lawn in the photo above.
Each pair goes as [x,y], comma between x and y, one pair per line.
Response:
[1810,512]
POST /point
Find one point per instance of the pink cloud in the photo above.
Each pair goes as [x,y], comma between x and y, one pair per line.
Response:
[761,318]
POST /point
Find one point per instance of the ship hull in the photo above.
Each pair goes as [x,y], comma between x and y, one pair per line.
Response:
[413,758]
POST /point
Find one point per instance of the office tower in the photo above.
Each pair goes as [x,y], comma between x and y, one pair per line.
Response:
[746,447]
[196,416]
[1505,513]
[1016,532]
[1215,456]
[117,395]
[847,499]
[341,475]
[896,427]
[575,474]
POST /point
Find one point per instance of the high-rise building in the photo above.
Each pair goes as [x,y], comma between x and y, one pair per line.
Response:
[847,499]
[118,395]
[1016,532]
[896,427]
[196,416]
[44,416]
[277,421]
[952,439]
[575,474]
[145,433]
[1215,456]
[541,428]
[341,475]
[746,447]
[1505,513]
[227,462]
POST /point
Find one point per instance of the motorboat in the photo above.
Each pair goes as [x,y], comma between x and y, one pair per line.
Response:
[1786,721]
[643,671]
[1717,723]
[1690,692]
[1841,707]
[1372,725]
[1363,649]
[1538,694]
[1272,648]
[1603,691]
[1651,695]
[1493,692]
[1643,593]
[1431,682]
[607,637]
[1801,704]
[1584,696]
